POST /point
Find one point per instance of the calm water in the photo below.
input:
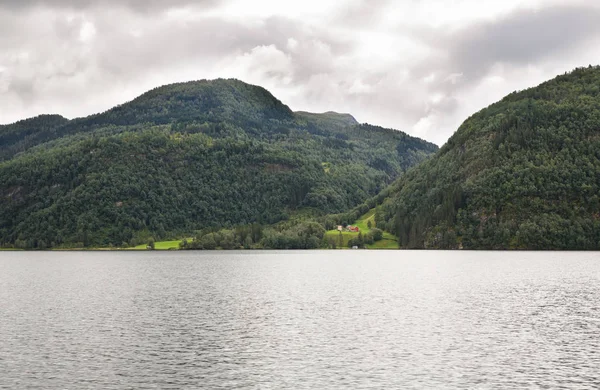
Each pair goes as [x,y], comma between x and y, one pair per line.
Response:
[300,320]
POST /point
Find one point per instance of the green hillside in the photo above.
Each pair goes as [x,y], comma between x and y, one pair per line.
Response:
[187,157]
[523,173]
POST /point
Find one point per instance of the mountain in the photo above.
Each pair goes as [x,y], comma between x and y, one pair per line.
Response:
[523,173]
[185,157]
[24,134]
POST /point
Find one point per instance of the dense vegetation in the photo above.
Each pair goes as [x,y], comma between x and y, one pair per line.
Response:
[24,134]
[188,157]
[293,234]
[522,173]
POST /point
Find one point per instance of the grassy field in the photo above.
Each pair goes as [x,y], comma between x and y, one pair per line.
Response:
[159,245]
[162,245]
[388,242]
[363,222]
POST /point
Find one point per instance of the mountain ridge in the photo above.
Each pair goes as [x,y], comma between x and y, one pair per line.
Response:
[189,156]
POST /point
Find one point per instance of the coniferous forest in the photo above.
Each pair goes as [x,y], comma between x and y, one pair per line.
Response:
[523,173]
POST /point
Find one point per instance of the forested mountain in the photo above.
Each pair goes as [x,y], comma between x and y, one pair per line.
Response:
[185,157]
[523,173]
[24,134]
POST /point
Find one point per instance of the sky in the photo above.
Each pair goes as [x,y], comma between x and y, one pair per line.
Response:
[420,66]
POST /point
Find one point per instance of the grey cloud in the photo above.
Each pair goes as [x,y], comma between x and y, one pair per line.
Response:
[361,14]
[520,38]
[138,5]
[528,36]
[23,88]
[515,41]
[204,40]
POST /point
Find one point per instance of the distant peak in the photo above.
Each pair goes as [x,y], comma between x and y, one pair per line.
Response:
[343,118]
[201,100]
[342,115]
[43,118]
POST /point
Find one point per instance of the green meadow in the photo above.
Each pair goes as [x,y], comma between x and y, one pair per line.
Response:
[388,242]
[162,245]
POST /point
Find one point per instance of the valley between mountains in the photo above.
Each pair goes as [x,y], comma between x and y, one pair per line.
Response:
[223,164]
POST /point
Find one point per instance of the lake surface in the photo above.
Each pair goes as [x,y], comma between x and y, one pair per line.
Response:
[299,320]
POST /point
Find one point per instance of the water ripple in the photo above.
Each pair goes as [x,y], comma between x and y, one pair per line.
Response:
[300,320]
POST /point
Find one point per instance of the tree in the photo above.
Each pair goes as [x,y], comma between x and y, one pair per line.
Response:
[332,244]
[228,240]
[208,242]
[377,234]
[355,242]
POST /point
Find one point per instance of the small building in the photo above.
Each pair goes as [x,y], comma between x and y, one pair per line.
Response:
[340,228]
[354,229]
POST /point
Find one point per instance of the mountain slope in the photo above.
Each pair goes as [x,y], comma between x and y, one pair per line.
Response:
[189,156]
[20,136]
[522,173]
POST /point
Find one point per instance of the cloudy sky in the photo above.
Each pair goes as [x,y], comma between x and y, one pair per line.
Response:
[421,66]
